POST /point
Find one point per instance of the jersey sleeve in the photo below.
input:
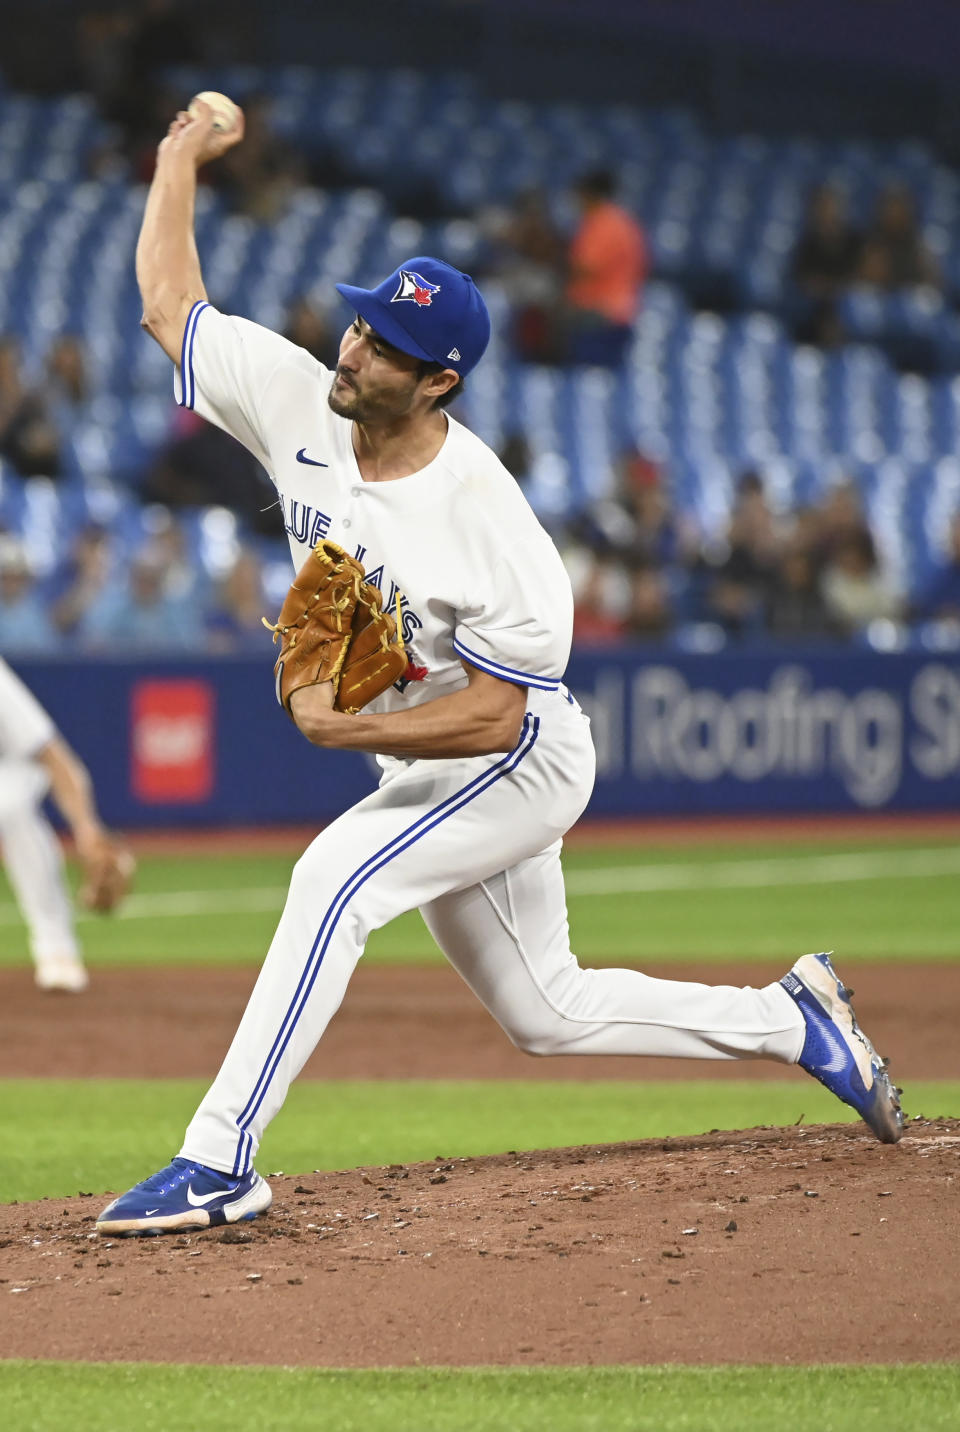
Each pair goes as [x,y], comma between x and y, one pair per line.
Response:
[25,728]
[520,629]
[226,368]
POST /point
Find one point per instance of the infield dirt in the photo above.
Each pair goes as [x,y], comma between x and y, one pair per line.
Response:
[410,1022]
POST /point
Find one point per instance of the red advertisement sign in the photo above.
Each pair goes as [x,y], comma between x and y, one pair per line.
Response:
[172,746]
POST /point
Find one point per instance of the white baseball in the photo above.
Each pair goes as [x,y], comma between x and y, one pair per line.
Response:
[226,114]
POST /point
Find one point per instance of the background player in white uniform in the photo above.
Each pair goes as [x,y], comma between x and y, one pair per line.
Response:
[36,761]
[486,762]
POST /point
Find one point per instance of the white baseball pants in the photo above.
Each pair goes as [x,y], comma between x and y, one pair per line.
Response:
[475,844]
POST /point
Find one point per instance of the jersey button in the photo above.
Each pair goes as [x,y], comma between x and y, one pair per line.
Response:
[354,492]
[346,522]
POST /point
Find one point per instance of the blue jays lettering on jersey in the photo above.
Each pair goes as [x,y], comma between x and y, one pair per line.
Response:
[303,522]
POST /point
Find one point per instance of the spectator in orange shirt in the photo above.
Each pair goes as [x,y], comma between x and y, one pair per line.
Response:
[607,268]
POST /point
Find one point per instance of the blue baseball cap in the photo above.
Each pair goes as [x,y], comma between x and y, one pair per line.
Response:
[428,309]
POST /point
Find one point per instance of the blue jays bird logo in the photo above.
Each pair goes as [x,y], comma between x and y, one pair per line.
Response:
[414,288]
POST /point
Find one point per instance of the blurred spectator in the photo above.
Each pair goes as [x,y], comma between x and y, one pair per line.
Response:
[258,177]
[607,265]
[142,615]
[616,601]
[531,270]
[659,534]
[601,590]
[649,616]
[68,380]
[795,607]
[25,625]
[637,521]
[894,254]
[184,577]
[203,466]
[939,599]
[839,518]
[828,249]
[101,53]
[745,568]
[123,53]
[239,603]
[824,263]
[514,453]
[29,439]
[83,579]
[855,589]
[308,326]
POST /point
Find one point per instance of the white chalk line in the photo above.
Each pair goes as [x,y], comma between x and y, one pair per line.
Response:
[613,880]
[745,874]
[180,903]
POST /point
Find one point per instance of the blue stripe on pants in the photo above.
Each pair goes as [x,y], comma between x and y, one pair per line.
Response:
[376,862]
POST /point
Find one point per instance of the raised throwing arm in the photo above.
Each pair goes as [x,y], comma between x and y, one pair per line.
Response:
[168,266]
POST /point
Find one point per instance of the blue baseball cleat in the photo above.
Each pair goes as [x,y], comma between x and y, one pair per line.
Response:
[837,1052]
[186,1195]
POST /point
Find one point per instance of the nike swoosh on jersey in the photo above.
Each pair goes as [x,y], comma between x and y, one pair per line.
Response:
[197,1200]
[310,461]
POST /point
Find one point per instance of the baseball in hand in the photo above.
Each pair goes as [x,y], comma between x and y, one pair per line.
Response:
[226,114]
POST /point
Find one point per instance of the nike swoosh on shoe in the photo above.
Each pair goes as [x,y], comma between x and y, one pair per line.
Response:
[197,1200]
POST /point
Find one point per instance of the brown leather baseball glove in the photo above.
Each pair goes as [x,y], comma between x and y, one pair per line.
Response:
[331,628]
[108,870]
[375,656]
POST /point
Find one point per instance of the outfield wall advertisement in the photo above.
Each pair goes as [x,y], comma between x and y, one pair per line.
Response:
[778,731]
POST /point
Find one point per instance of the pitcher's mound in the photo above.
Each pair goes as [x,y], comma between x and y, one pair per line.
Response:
[768,1245]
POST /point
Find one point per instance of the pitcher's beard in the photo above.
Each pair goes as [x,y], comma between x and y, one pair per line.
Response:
[344,400]
[378,407]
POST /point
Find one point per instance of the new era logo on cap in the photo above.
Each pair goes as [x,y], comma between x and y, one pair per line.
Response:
[414,288]
[454,355]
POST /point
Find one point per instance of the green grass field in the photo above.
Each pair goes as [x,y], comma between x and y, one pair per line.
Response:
[110,1131]
[104,1398]
[896,899]
[744,901]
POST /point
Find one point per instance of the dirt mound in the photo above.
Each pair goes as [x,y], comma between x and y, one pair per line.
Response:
[770,1245]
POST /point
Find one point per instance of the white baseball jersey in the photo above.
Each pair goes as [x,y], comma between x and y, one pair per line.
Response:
[25,728]
[476,575]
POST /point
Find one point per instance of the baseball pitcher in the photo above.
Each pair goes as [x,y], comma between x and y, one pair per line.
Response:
[400,519]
